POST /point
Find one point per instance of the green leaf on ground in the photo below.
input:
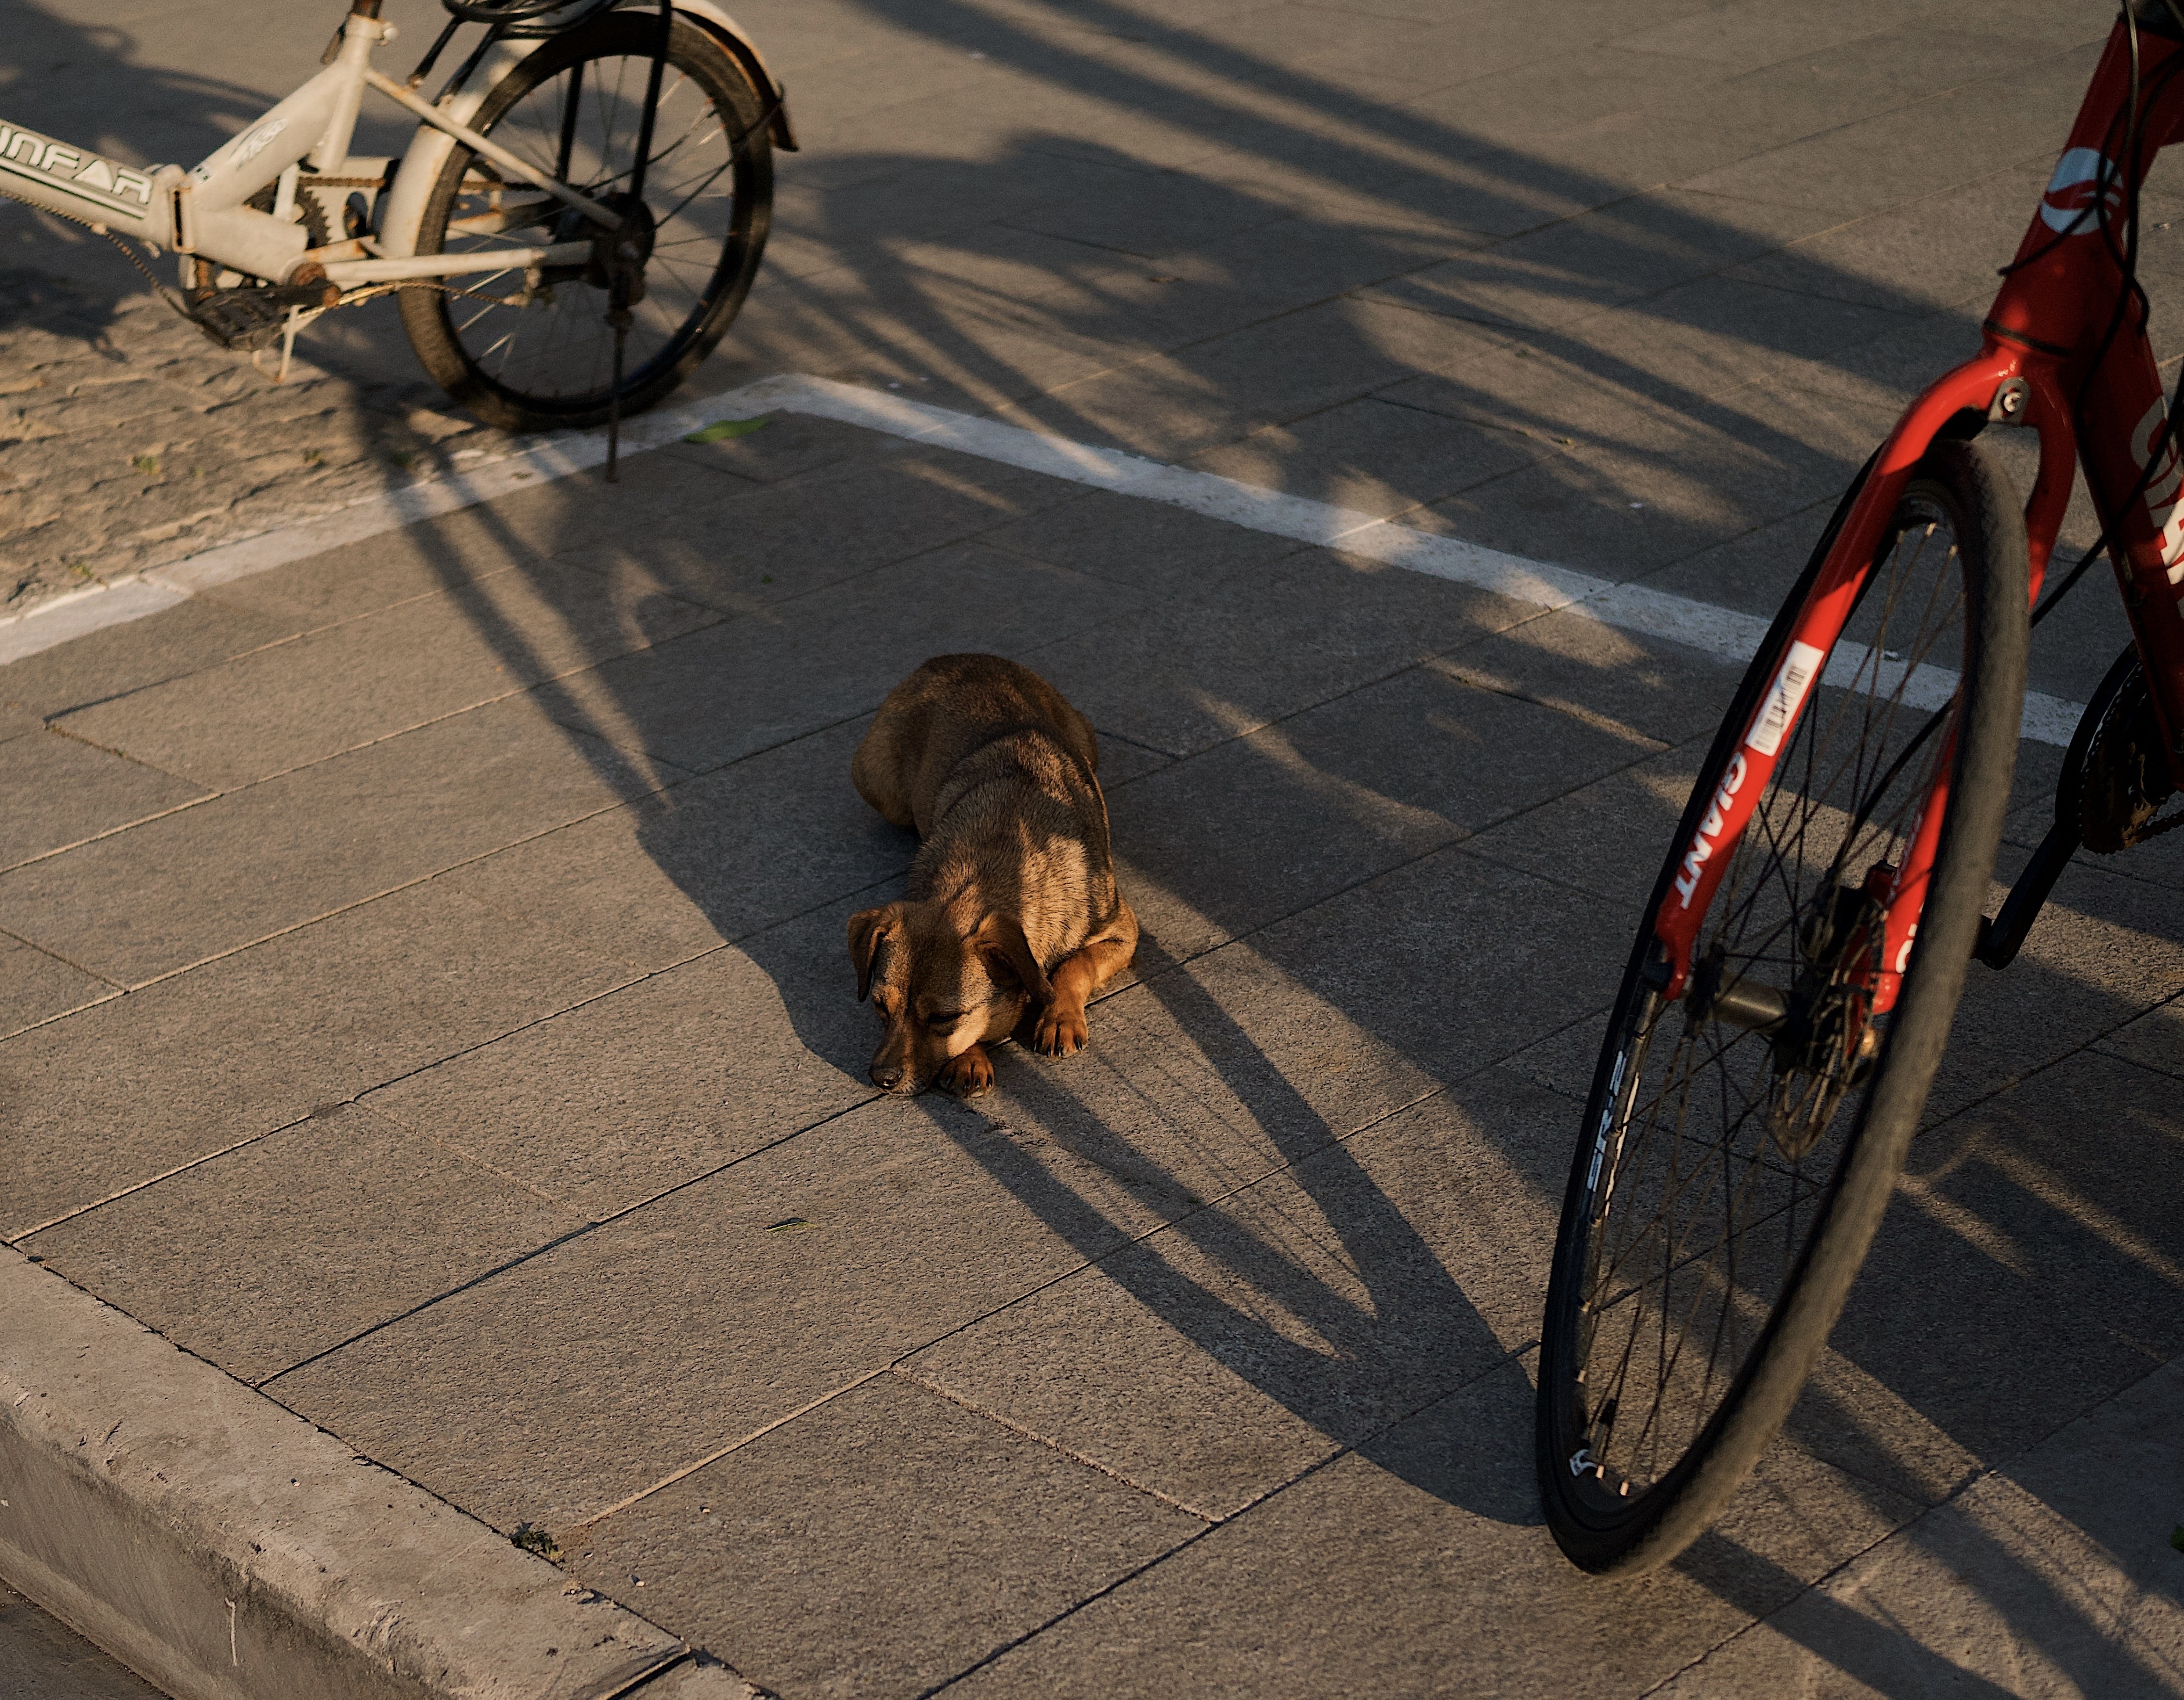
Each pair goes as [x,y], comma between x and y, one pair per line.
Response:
[2176,1537]
[726,428]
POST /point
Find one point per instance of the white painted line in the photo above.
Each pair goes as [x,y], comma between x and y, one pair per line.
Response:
[1721,633]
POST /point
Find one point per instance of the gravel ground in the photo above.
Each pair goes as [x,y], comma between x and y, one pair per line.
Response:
[128,440]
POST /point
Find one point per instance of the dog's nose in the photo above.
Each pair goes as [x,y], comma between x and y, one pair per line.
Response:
[886,1076]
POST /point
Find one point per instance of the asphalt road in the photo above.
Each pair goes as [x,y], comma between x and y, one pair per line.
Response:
[42,1658]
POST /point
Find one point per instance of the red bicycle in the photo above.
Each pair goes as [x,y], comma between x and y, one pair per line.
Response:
[1785,1008]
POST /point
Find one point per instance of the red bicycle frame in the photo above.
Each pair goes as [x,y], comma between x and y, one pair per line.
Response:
[2047,330]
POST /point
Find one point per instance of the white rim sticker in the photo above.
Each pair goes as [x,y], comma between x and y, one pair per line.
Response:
[1799,669]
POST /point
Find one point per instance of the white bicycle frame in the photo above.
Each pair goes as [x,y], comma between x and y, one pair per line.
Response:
[201,211]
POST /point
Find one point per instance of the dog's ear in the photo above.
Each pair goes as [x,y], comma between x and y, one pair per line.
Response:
[867,927]
[1000,938]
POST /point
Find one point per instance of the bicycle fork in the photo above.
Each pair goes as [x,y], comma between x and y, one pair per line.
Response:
[1889,898]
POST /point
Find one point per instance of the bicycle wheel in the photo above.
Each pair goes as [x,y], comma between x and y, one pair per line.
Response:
[1742,1141]
[533,350]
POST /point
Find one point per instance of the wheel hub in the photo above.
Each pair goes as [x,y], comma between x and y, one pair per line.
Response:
[619,255]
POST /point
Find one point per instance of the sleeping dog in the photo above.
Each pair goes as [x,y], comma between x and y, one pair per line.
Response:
[1012,906]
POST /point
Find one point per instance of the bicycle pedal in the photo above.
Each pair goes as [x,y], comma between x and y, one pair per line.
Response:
[250,319]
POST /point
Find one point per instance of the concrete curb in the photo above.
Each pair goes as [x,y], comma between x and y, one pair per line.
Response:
[224,1547]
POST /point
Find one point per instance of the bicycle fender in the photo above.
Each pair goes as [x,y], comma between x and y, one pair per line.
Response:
[402,208]
[732,36]
[404,205]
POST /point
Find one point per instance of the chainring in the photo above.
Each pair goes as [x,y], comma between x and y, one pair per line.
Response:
[2116,777]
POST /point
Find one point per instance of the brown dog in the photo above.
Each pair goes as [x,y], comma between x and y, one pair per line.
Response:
[1012,899]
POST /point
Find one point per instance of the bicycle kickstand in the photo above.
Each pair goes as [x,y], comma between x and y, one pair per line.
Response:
[617,316]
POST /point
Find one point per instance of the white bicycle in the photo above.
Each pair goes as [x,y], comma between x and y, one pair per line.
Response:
[572,229]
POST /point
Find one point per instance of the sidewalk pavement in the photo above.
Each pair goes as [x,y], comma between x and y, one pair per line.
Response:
[423,963]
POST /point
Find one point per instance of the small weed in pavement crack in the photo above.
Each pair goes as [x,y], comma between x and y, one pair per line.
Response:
[533,1539]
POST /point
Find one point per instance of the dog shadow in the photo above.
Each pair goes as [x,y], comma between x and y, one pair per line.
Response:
[1305,1279]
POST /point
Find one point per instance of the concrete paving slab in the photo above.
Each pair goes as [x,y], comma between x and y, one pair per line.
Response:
[717,1311]
[986,1537]
[751,549]
[1204,1077]
[1509,958]
[788,446]
[2104,949]
[1333,245]
[612,1102]
[2025,1272]
[138,1087]
[2154,1040]
[1876,73]
[1720,470]
[2057,1570]
[382,673]
[1333,151]
[1749,34]
[1214,662]
[1954,136]
[1937,251]
[1371,457]
[1228,1354]
[283,1249]
[976,350]
[186,887]
[1136,306]
[1608,839]
[1713,336]
[1537,102]
[1632,248]
[35,986]
[1298,810]
[64,790]
[1644,691]
[192,636]
[1148,216]
[675,872]
[1164,551]
[1361,1554]
[757,681]
[457,551]
[1173,405]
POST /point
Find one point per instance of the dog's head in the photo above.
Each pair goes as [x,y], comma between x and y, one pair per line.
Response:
[939,990]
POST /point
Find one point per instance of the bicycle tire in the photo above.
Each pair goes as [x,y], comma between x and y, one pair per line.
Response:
[710,106]
[1623,1503]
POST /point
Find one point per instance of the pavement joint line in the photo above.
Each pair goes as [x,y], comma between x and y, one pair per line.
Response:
[560,1240]
[1342,1450]
[1052,1444]
[737,1445]
[1722,633]
[70,1215]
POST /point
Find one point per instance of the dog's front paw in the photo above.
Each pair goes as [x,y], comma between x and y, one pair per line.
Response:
[968,1075]
[1061,1032]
